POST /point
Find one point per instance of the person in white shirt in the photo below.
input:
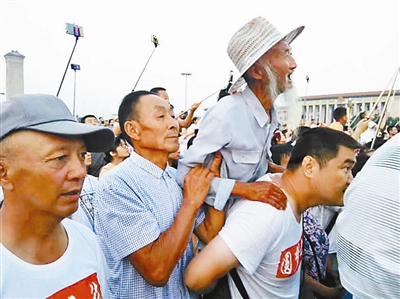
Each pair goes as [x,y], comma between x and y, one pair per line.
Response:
[265,244]
[369,227]
[42,169]
[369,133]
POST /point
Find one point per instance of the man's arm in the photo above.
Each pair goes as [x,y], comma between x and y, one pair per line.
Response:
[246,238]
[184,123]
[156,261]
[213,262]
[215,219]
[262,191]
[275,168]
[383,123]
[213,136]
[362,125]
[211,225]
[322,291]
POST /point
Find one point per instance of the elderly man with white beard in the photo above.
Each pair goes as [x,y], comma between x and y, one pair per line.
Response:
[242,124]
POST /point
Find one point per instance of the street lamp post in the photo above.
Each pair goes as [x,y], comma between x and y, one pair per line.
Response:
[186,75]
[308,80]
[75,67]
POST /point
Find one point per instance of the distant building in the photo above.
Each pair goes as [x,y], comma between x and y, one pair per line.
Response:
[14,74]
[321,107]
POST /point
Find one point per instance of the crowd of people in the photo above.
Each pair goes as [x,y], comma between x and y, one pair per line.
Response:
[234,204]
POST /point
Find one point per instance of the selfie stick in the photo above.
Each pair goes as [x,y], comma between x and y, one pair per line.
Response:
[384,111]
[77,31]
[154,40]
[380,96]
[227,88]
[183,112]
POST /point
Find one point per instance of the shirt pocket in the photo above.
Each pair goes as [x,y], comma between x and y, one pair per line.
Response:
[246,157]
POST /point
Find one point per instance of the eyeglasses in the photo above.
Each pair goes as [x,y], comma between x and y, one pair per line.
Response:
[124,144]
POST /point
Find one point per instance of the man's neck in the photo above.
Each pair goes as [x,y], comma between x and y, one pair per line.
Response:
[264,97]
[33,237]
[296,196]
[159,158]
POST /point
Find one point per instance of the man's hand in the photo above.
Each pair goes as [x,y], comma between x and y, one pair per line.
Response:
[275,168]
[216,163]
[196,185]
[361,127]
[262,191]
[194,106]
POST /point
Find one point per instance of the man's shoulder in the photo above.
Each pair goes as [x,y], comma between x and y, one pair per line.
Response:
[252,211]
[122,172]
[226,104]
[336,126]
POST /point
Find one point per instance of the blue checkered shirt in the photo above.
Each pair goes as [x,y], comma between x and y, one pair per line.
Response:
[135,202]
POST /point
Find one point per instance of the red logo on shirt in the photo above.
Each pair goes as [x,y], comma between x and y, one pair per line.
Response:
[290,260]
[87,288]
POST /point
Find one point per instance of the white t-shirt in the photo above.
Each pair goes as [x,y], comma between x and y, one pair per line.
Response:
[268,244]
[368,134]
[81,272]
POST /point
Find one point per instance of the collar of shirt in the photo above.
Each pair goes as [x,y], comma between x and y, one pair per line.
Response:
[150,167]
[257,109]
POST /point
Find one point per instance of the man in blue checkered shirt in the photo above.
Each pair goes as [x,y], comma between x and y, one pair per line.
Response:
[143,219]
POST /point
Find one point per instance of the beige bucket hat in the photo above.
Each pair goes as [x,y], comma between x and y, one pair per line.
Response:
[251,41]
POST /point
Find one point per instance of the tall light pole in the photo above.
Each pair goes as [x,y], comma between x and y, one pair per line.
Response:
[308,80]
[75,67]
[186,75]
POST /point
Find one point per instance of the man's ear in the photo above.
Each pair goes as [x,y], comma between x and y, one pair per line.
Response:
[132,129]
[5,181]
[309,166]
[256,71]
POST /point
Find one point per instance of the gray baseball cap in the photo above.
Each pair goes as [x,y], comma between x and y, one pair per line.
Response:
[49,114]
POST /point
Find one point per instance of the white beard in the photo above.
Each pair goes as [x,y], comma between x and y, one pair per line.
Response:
[272,87]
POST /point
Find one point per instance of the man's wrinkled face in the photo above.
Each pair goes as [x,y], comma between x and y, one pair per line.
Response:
[159,130]
[47,172]
[280,60]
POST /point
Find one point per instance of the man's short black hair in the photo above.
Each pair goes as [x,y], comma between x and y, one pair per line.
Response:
[155,90]
[390,128]
[339,112]
[127,110]
[280,150]
[362,114]
[298,132]
[320,143]
[83,119]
